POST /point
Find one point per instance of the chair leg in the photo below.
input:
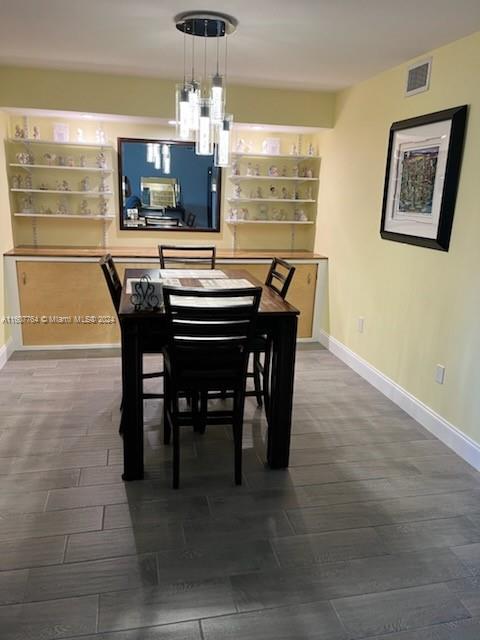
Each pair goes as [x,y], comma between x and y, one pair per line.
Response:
[257,378]
[266,379]
[238,405]
[167,411]
[176,445]
[202,422]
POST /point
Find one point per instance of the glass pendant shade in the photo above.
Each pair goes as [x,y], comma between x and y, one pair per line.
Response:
[183,115]
[222,149]
[150,156]
[204,134]
[166,160]
[217,97]
[194,102]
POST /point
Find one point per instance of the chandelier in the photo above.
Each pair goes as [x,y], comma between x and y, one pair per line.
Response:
[200,101]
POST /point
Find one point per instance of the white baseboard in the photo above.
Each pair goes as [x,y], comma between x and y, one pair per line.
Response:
[6,351]
[450,435]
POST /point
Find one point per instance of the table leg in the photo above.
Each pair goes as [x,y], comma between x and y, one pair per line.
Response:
[284,339]
[132,414]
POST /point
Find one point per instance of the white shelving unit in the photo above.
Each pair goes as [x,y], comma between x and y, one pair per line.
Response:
[81,153]
[306,195]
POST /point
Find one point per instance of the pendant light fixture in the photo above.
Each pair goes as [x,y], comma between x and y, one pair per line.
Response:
[200,108]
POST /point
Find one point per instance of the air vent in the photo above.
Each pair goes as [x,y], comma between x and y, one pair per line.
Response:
[418,77]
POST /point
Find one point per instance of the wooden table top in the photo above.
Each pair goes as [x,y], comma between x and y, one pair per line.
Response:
[270,303]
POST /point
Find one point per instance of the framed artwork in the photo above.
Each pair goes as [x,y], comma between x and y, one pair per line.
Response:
[421,179]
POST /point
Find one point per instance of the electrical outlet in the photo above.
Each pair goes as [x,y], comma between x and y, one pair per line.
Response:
[360,324]
[440,374]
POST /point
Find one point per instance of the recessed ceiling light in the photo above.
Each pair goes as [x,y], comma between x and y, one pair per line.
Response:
[172,122]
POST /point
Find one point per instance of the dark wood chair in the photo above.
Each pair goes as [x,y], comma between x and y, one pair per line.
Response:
[115,288]
[152,221]
[278,279]
[207,349]
[192,255]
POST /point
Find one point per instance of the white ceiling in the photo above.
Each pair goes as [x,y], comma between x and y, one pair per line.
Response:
[312,44]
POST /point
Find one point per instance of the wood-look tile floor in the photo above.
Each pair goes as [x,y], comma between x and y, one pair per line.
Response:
[373,531]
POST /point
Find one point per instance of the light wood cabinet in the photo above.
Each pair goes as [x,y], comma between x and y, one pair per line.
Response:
[70,304]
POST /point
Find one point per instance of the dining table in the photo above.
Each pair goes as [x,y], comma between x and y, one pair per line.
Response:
[143,331]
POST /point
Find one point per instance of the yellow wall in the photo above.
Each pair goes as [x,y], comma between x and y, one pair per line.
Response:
[153,97]
[5,226]
[421,306]
[89,232]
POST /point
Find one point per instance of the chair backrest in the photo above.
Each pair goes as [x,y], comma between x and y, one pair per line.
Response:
[152,221]
[113,281]
[209,331]
[201,255]
[280,276]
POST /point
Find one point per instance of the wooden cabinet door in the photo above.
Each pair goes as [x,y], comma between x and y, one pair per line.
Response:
[301,293]
[71,302]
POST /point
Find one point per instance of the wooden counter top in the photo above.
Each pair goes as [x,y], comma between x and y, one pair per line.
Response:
[152,252]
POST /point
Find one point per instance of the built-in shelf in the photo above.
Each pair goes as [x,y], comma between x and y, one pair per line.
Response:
[235,222]
[62,168]
[87,194]
[284,178]
[267,200]
[82,145]
[272,157]
[64,215]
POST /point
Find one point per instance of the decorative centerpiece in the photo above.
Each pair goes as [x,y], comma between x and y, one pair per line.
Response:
[144,296]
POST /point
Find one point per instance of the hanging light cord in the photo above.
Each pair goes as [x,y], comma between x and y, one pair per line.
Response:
[218,43]
[185,58]
[205,57]
[193,54]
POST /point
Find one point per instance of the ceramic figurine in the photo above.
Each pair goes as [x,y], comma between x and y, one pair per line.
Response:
[257,170]
[243,213]
[103,186]
[249,169]
[311,150]
[85,184]
[28,181]
[285,193]
[101,160]
[27,204]
[237,191]
[16,182]
[83,209]
[65,186]
[233,215]
[36,133]
[308,173]
[80,135]
[62,161]
[284,172]
[70,161]
[309,193]
[49,158]
[262,213]
[82,161]
[102,206]
[19,133]
[100,135]
[240,147]
[296,195]
[24,158]
[273,171]
[259,193]
[293,150]
[235,168]
[299,215]
[295,171]
[273,191]
[43,186]
[278,215]
[62,208]
[26,131]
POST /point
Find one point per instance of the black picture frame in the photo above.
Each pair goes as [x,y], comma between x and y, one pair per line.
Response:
[215,228]
[444,196]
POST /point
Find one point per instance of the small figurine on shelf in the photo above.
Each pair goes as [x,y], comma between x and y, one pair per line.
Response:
[249,169]
[273,191]
[284,193]
[27,204]
[284,172]
[49,159]
[80,135]
[102,206]
[308,173]
[36,133]
[295,171]
[82,161]
[62,207]
[273,171]
[62,161]
[237,191]
[85,184]
[24,158]
[19,133]
[28,181]
[43,186]
[259,193]
[309,195]
[83,209]
[278,215]
[299,215]
[235,168]
[257,170]
[311,150]
[233,214]
[243,214]
[103,186]
[296,195]
[294,150]
[16,182]
[240,146]
[101,160]
[262,213]
[65,186]
[100,136]
[70,161]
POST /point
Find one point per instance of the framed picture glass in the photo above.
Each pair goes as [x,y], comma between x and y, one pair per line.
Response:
[421,180]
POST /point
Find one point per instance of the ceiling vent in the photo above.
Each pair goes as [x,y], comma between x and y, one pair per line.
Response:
[418,77]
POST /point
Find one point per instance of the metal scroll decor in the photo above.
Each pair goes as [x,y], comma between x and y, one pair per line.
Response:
[144,297]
